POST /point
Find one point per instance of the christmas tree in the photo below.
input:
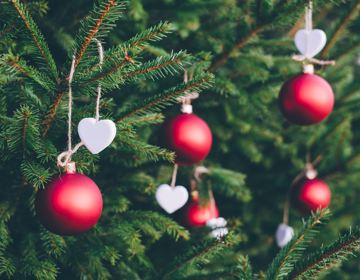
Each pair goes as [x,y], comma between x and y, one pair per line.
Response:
[237,55]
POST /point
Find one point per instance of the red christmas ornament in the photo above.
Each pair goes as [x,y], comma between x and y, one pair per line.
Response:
[306,99]
[197,215]
[188,136]
[311,195]
[70,205]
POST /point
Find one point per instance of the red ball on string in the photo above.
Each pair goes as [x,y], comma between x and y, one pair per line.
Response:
[188,136]
[306,99]
[72,204]
[311,195]
[196,215]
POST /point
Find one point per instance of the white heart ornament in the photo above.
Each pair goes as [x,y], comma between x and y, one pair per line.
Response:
[284,234]
[171,198]
[96,135]
[310,42]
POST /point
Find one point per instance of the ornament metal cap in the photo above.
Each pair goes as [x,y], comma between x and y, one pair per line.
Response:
[70,168]
[186,108]
[310,171]
[308,68]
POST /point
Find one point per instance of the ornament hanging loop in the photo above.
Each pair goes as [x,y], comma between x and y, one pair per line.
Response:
[64,158]
[174,175]
[186,106]
[199,170]
[308,16]
[101,61]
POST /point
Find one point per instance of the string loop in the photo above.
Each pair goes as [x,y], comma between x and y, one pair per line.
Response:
[185,101]
[308,16]
[101,61]
[64,158]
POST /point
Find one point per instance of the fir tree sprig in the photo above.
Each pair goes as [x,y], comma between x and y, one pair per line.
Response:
[159,223]
[10,64]
[37,37]
[100,21]
[170,96]
[323,260]
[196,256]
[286,259]
[35,174]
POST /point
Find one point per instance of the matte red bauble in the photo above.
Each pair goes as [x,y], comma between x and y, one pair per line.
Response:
[196,215]
[188,136]
[306,99]
[70,205]
[311,195]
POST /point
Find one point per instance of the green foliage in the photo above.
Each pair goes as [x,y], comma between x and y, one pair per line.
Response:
[239,53]
[284,262]
[326,258]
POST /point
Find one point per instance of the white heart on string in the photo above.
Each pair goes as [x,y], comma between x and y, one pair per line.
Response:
[96,135]
[171,198]
[310,42]
[284,234]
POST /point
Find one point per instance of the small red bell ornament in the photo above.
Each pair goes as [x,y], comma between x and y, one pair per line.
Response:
[188,136]
[70,205]
[196,215]
[306,99]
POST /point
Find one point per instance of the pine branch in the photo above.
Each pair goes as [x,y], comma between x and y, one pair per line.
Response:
[239,44]
[35,174]
[158,102]
[103,16]
[37,37]
[154,118]
[158,68]
[284,8]
[23,130]
[159,222]
[19,65]
[152,34]
[50,116]
[142,151]
[328,257]
[340,28]
[161,66]
[124,53]
[284,262]
[200,253]
[228,183]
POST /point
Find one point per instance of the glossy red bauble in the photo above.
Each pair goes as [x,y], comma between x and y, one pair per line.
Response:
[70,205]
[306,99]
[311,195]
[188,136]
[196,215]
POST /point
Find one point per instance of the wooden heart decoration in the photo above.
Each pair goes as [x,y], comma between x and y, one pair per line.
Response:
[96,135]
[171,198]
[284,234]
[310,42]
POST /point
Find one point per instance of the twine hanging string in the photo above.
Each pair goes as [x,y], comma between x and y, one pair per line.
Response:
[64,158]
[309,172]
[101,61]
[308,16]
[185,101]
[173,176]
[309,27]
